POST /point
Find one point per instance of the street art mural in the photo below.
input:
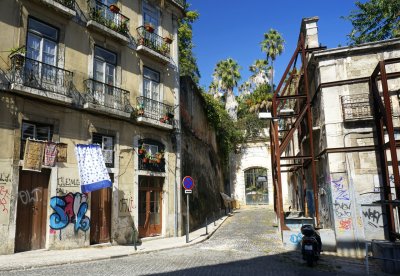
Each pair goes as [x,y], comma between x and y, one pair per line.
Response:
[70,208]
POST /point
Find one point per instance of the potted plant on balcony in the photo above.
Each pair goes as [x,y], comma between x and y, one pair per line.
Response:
[142,150]
[164,49]
[123,28]
[140,109]
[168,39]
[146,158]
[17,56]
[149,27]
[114,8]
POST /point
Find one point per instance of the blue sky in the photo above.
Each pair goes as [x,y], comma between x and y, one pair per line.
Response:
[235,28]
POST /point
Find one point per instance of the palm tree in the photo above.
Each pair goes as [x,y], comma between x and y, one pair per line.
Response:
[272,45]
[259,69]
[227,74]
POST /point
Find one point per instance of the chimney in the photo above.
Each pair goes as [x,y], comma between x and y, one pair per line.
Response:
[310,31]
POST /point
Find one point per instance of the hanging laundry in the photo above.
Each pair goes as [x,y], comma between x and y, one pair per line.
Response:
[92,169]
[62,152]
[33,155]
[50,154]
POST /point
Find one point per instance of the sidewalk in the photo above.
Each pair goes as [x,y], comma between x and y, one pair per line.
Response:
[43,257]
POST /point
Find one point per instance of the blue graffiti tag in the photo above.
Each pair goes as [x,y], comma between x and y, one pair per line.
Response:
[341,192]
[296,238]
[59,219]
[70,208]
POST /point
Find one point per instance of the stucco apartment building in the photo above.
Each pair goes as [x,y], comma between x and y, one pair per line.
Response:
[354,98]
[82,72]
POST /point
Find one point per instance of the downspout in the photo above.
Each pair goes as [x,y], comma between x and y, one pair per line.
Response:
[177,131]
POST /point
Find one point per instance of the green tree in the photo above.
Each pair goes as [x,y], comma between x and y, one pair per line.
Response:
[226,75]
[187,60]
[374,20]
[272,45]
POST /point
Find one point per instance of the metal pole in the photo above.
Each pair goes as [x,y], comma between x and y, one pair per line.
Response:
[206,226]
[187,218]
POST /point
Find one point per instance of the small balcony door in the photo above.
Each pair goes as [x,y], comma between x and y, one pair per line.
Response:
[151,90]
[151,15]
[41,51]
[104,75]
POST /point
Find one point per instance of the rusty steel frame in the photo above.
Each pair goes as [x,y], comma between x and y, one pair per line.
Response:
[303,108]
[383,119]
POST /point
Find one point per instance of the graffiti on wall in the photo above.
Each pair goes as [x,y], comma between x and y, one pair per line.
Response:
[125,204]
[5,196]
[342,204]
[67,182]
[70,208]
[295,238]
[373,217]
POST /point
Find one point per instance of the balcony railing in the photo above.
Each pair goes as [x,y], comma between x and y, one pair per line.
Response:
[155,110]
[103,15]
[68,3]
[153,41]
[107,95]
[35,74]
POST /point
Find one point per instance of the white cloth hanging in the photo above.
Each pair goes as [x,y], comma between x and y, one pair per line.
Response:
[92,169]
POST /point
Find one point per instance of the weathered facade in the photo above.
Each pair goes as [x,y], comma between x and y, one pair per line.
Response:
[200,158]
[348,154]
[90,72]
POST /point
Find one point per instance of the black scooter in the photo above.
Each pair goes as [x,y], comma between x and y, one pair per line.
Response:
[310,244]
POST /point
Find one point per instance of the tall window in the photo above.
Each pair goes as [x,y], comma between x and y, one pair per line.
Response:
[104,73]
[41,46]
[151,84]
[34,131]
[150,15]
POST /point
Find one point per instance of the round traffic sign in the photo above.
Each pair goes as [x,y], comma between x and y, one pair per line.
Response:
[188,183]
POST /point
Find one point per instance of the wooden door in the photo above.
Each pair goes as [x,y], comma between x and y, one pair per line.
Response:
[32,210]
[150,206]
[100,219]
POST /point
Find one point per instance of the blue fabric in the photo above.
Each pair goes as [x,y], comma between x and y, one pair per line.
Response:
[96,186]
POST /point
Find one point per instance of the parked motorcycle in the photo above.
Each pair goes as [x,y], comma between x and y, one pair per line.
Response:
[310,244]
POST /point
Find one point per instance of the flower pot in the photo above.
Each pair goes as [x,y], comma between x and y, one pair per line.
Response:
[145,159]
[168,40]
[141,151]
[114,8]
[149,28]
[158,161]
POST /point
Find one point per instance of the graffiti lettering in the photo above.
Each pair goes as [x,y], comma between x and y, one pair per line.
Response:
[374,216]
[70,208]
[340,190]
[345,224]
[28,197]
[4,198]
[342,209]
[67,182]
[296,238]
[5,177]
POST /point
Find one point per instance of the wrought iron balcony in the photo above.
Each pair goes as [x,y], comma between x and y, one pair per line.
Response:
[109,96]
[68,3]
[35,74]
[103,15]
[155,110]
[153,41]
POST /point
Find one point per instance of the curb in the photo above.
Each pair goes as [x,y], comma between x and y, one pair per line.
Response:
[100,258]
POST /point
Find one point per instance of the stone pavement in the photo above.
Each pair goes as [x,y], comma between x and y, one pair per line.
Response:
[44,258]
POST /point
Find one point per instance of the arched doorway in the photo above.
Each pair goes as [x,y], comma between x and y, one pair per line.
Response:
[256,183]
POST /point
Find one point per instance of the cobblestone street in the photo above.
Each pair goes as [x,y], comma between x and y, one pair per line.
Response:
[246,244]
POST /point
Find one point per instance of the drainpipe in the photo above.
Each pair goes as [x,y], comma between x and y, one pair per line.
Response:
[177,131]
